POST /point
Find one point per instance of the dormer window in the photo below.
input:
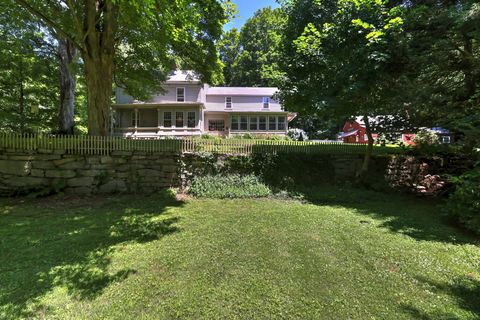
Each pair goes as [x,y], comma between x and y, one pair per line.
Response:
[180,94]
[228,102]
[266,102]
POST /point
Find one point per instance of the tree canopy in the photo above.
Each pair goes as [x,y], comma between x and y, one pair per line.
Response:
[251,56]
[134,44]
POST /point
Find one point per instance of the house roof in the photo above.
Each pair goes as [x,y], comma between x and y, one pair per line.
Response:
[183,76]
[242,91]
[347,134]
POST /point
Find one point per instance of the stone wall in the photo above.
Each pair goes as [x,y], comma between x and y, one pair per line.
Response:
[414,174]
[426,175]
[50,171]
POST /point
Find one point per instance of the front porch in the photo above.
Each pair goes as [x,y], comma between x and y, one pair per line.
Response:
[158,121]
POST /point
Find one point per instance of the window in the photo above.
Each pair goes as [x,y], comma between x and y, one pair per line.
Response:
[281,123]
[262,123]
[180,94]
[445,139]
[243,123]
[216,125]
[272,123]
[266,102]
[253,123]
[228,102]
[135,118]
[167,119]
[179,119]
[235,123]
[191,119]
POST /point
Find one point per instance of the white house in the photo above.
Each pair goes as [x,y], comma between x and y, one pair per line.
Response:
[190,108]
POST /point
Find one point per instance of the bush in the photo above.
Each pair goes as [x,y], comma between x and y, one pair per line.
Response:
[297,134]
[229,186]
[464,203]
[426,138]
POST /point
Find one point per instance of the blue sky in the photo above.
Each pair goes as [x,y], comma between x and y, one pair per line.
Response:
[246,9]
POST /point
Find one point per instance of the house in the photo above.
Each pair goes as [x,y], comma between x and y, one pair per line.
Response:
[190,108]
[355,132]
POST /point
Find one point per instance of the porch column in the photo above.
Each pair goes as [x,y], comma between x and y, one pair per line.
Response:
[136,118]
[159,123]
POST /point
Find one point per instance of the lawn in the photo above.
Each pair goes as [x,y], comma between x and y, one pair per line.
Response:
[341,255]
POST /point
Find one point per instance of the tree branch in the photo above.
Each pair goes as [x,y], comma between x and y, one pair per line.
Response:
[49,22]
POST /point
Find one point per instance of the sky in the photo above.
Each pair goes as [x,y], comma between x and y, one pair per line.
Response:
[246,9]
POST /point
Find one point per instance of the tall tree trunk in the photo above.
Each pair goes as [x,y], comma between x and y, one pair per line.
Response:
[99,79]
[368,154]
[99,61]
[67,53]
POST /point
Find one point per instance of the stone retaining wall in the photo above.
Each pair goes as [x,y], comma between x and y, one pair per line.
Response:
[49,171]
[52,171]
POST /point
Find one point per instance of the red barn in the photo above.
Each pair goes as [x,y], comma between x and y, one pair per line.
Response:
[355,132]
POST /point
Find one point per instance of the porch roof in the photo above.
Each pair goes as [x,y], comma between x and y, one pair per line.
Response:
[158,105]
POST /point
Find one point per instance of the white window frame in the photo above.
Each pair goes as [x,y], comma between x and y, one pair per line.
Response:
[171,119]
[257,121]
[217,120]
[195,121]
[284,123]
[446,139]
[135,118]
[275,125]
[228,105]
[266,102]
[184,94]
[266,123]
[240,122]
[237,118]
[183,119]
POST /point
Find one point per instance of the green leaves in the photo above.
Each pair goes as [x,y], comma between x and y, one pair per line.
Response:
[251,56]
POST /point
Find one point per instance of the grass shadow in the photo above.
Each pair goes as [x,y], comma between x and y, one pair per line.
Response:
[68,242]
[420,219]
[415,217]
[465,289]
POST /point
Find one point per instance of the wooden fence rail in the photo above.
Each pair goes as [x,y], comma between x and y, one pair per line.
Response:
[93,145]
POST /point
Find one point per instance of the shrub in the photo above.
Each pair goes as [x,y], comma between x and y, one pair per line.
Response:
[426,138]
[229,186]
[464,203]
[297,134]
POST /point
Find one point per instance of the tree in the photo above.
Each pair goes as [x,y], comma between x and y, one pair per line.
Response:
[28,74]
[229,50]
[134,43]
[341,59]
[444,62]
[251,57]
[68,83]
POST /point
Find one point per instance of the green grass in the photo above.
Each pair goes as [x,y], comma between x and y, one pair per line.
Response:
[344,255]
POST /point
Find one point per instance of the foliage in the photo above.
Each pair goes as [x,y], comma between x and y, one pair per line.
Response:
[443,68]
[135,44]
[297,134]
[464,203]
[229,51]
[251,56]
[426,137]
[111,258]
[228,186]
[29,74]
[341,59]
